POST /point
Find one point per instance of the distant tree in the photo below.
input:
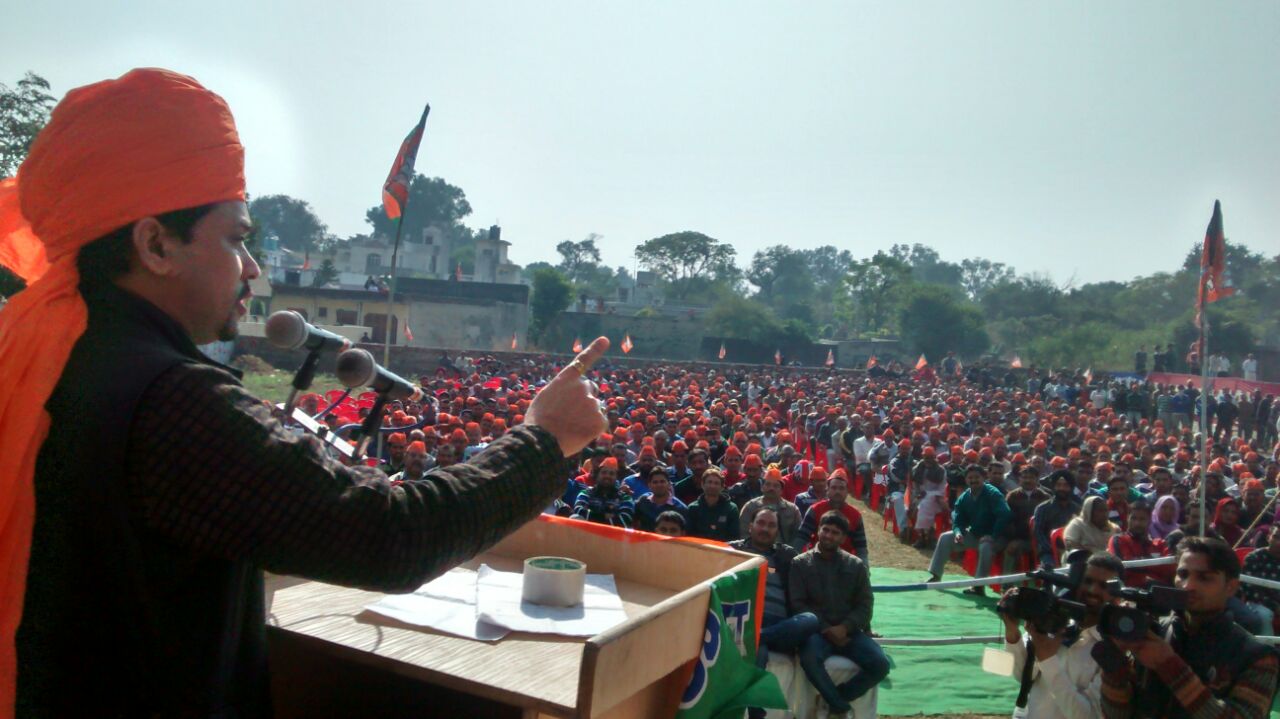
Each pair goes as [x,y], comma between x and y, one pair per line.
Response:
[527,272]
[1026,296]
[683,258]
[291,220]
[936,320]
[927,267]
[24,110]
[827,266]
[327,274]
[875,284]
[576,258]
[977,275]
[432,202]
[551,294]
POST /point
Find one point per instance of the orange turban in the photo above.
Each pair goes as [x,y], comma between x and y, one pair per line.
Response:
[113,152]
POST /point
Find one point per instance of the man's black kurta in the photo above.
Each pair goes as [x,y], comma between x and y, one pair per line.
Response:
[163,491]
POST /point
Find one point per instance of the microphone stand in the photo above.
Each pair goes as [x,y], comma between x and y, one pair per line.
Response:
[301,380]
[372,425]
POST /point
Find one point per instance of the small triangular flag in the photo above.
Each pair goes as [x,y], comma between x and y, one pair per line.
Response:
[922,362]
[408,333]
[831,358]
[514,344]
[872,361]
[1016,363]
[577,344]
[722,352]
[1088,376]
[777,357]
[457,272]
[626,344]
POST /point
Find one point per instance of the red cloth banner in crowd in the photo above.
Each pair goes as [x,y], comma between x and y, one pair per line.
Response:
[395,192]
[1232,384]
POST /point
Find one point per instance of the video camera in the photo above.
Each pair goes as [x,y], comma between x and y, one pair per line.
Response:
[1047,610]
[1132,623]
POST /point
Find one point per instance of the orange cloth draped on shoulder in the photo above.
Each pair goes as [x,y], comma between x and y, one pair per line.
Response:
[147,143]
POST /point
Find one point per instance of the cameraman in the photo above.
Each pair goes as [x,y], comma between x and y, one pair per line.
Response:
[1202,664]
[1067,682]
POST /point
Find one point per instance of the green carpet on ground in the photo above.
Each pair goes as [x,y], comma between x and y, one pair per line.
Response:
[937,680]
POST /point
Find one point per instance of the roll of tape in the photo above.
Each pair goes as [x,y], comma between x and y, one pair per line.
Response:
[554,581]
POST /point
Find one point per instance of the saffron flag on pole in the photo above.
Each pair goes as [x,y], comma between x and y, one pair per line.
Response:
[831,358]
[395,192]
[1213,264]
[922,363]
[514,344]
[457,272]
[1088,376]
[777,357]
[872,361]
[1016,363]
[306,260]
[626,344]
[577,345]
[408,332]
[722,352]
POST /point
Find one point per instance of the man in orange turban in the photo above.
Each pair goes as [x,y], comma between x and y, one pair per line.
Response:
[130,559]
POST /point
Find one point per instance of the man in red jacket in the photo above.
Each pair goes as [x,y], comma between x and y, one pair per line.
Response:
[855,540]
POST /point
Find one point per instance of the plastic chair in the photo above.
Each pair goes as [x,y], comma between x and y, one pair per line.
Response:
[877,493]
[1058,544]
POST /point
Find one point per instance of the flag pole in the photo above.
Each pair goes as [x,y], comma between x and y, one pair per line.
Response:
[391,293]
[1204,406]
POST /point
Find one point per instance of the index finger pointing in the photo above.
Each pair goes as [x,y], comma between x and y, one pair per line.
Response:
[593,353]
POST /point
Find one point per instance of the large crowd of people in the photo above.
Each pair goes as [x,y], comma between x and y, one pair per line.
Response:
[1018,466]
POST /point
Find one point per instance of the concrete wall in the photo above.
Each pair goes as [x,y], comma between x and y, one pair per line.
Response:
[487,326]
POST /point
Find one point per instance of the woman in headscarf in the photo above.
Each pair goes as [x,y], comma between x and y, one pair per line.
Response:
[1226,521]
[1091,529]
[1164,519]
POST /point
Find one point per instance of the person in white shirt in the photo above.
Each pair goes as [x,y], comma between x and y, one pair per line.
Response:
[1250,368]
[1066,680]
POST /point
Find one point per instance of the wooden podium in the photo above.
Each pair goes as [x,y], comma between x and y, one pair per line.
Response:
[330,657]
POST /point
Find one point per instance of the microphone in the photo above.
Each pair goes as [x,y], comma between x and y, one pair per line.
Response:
[357,368]
[287,330]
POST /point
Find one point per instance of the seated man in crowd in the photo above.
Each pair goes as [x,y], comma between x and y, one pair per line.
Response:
[1264,563]
[1066,680]
[605,503]
[779,632]
[657,502]
[713,515]
[786,513]
[1055,514]
[415,463]
[833,585]
[1022,504]
[855,536]
[978,522]
[1136,543]
[670,524]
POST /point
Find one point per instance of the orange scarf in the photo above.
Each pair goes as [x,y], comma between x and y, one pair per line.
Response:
[114,152]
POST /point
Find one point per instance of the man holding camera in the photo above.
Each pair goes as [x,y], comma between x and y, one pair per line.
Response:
[1065,681]
[1199,663]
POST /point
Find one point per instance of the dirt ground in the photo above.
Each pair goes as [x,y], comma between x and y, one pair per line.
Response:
[887,551]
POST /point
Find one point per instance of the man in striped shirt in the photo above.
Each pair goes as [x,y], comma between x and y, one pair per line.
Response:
[1202,664]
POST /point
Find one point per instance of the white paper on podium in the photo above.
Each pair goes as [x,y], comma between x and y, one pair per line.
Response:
[499,602]
[446,603]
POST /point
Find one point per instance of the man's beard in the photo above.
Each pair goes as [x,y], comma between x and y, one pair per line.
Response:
[230,330]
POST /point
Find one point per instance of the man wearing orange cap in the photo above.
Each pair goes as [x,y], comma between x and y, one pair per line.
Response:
[132,558]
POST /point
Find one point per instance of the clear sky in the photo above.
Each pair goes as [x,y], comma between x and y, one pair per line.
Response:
[1086,140]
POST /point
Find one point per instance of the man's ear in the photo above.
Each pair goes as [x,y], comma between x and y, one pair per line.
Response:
[1233,586]
[151,245]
